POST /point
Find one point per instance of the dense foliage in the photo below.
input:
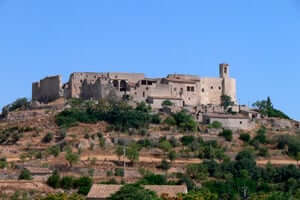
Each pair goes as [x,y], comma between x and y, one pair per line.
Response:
[266,107]
[134,192]
[82,184]
[21,103]
[120,115]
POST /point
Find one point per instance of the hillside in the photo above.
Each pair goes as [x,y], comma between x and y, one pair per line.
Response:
[89,139]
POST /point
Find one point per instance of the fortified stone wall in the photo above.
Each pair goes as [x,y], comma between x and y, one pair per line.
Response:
[48,89]
[192,90]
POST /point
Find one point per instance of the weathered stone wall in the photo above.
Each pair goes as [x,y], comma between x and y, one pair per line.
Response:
[210,90]
[234,123]
[47,89]
[191,89]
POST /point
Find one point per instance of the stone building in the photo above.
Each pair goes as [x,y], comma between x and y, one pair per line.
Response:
[181,90]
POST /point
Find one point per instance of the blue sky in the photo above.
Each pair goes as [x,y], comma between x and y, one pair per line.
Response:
[260,39]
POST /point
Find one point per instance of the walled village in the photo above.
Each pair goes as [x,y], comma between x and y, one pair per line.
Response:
[107,129]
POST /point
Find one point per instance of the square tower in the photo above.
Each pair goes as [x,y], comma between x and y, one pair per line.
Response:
[224,70]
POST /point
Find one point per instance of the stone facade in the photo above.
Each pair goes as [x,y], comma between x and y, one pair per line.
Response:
[182,90]
[47,89]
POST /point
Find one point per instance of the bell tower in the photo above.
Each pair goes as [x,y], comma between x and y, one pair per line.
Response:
[224,70]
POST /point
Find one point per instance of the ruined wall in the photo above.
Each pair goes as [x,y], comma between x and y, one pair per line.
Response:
[47,89]
[131,77]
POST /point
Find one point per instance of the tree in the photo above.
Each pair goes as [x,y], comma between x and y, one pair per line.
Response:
[245,137]
[72,158]
[266,107]
[25,175]
[132,152]
[226,101]
[67,182]
[172,155]
[227,134]
[62,196]
[165,165]
[83,184]
[133,192]
[119,151]
[54,180]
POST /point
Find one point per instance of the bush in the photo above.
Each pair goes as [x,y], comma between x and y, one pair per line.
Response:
[153,179]
[227,134]
[25,175]
[165,145]
[54,180]
[166,103]
[245,137]
[120,115]
[155,119]
[185,121]
[21,103]
[164,165]
[47,138]
[215,124]
[3,163]
[186,140]
[83,184]
[170,121]
[119,172]
[135,192]
[67,182]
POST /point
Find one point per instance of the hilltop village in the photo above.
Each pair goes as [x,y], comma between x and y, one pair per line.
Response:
[202,96]
[125,136]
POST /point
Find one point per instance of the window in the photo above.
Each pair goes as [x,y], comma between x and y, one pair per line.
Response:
[188,88]
[203,90]
[175,89]
[241,122]
[192,89]
[220,87]
[225,70]
[143,94]
[144,82]
[212,87]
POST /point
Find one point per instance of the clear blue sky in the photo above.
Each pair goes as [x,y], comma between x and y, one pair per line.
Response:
[260,39]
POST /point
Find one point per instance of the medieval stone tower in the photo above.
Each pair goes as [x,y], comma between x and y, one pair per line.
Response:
[229,84]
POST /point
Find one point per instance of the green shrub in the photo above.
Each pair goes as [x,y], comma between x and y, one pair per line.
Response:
[186,140]
[185,121]
[227,134]
[215,124]
[119,172]
[83,184]
[47,138]
[245,137]
[54,180]
[67,182]
[155,119]
[164,165]
[3,163]
[170,121]
[25,175]
[166,103]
